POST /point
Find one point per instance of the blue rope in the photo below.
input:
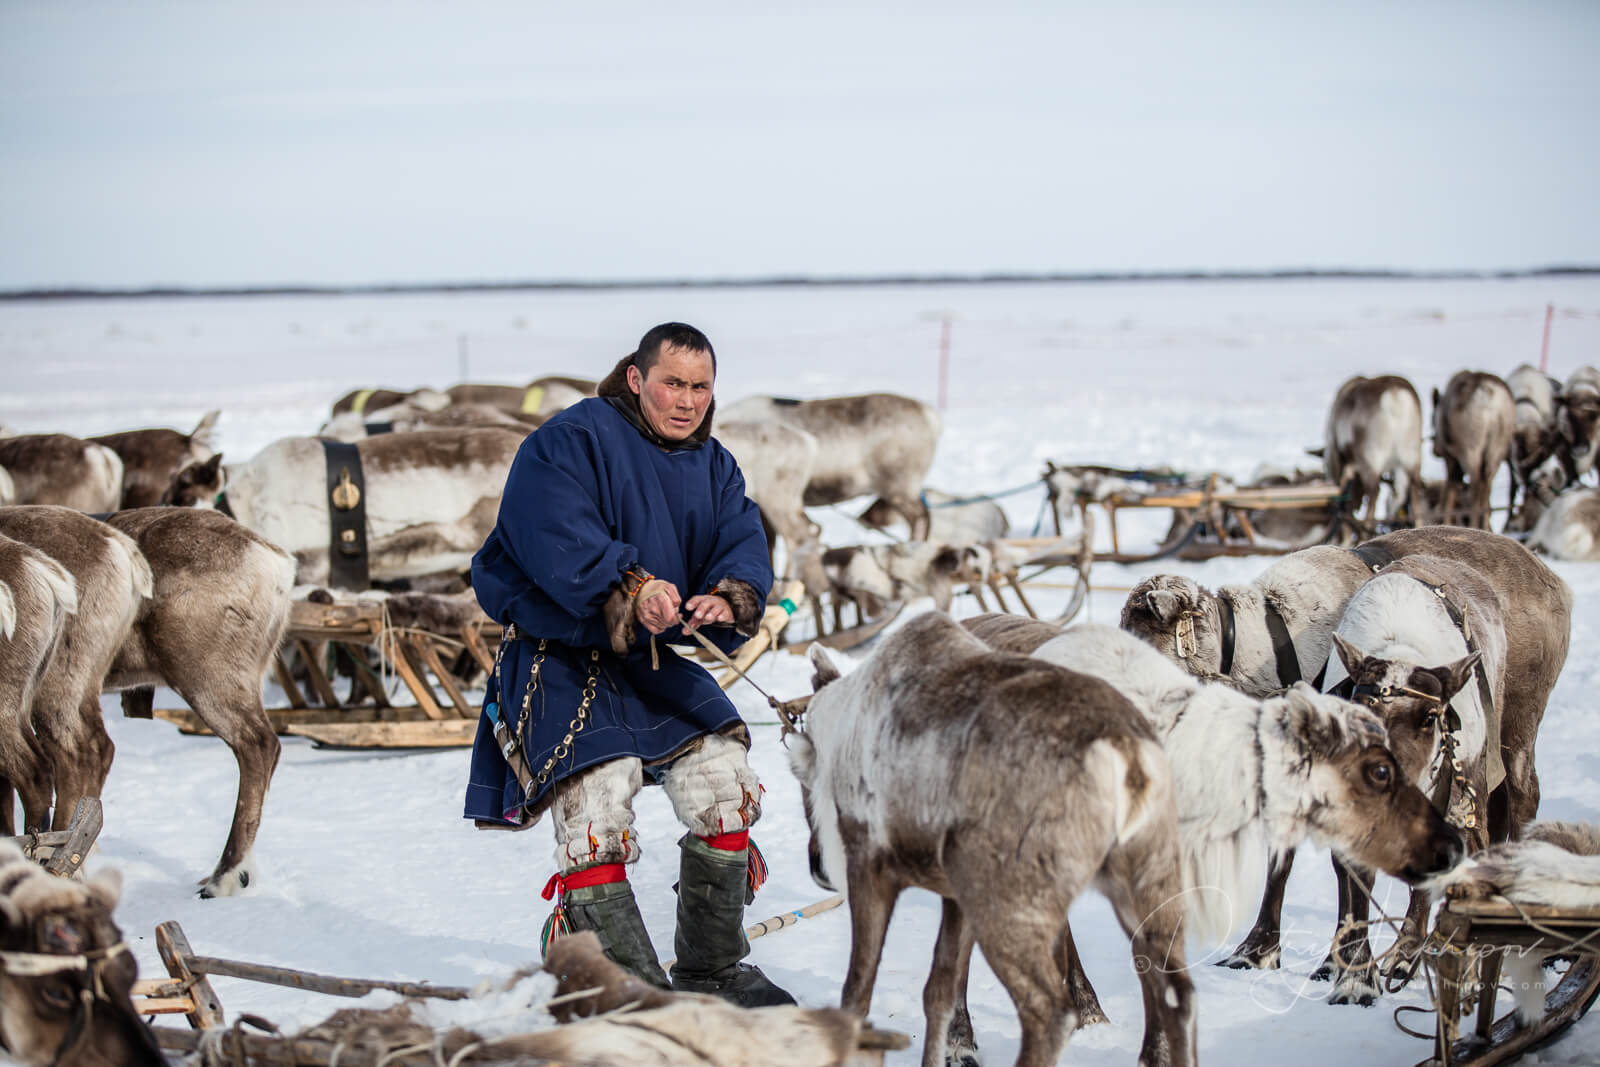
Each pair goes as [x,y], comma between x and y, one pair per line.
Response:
[981,497]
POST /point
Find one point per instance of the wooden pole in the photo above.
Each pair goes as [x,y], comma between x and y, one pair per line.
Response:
[319,983]
[944,361]
[1544,349]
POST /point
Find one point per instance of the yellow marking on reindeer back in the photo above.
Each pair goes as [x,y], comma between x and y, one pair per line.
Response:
[532,400]
[359,405]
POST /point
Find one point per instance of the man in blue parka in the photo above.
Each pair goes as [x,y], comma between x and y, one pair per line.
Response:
[622,525]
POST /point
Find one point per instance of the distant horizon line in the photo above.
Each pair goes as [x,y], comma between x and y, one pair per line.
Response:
[161,292]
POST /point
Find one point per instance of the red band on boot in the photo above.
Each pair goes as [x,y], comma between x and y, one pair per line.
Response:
[600,874]
[736,842]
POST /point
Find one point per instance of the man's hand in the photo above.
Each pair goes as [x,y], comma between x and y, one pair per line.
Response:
[707,609]
[656,606]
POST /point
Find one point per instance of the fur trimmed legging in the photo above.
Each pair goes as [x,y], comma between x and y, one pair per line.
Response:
[712,788]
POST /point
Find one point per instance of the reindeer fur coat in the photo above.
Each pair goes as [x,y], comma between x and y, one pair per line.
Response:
[588,497]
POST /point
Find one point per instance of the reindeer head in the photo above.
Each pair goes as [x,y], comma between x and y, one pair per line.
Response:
[1414,702]
[197,485]
[1350,789]
[1179,618]
[1578,418]
[65,972]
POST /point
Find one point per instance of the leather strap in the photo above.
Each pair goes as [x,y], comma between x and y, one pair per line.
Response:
[347,517]
[1376,557]
[1225,613]
[1282,647]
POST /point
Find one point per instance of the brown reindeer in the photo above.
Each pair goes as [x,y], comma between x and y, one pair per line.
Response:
[361,401]
[879,443]
[1423,644]
[52,468]
[1375,432]
[542,396]
[36,598]
[776,461]
[1535,438]
[65,972]
[1008,786]
[220,608]
[1473,423]
[1310,590]
[151,457]
[113,581]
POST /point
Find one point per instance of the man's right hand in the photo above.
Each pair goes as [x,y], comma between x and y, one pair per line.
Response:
[656,606]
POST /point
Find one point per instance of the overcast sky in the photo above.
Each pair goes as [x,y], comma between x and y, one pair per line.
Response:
[234,144]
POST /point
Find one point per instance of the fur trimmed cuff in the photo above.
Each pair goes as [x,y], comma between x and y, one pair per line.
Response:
[620,611]
[747,606]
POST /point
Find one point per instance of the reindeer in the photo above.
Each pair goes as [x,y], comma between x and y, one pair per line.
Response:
[220,607]
[66,974]
[1410,644]
[777,460]
[360,401]
[1375,432]
[1191,626]
[951,518]
[36,597]
[878,443]
[874,575]
[52,468]
[543,396]
[1473,421]
[1535,438]
[1303,765]
[113,580]
[431,498]
[404,417]
[1007,785]
[1570,527]
[1577,419]
[150,458]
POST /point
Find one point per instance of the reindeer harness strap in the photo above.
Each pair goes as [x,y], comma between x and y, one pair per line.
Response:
[1283,647]
[347,517]
[44,964]
[1376,557]
[1494,766]
[1225,614]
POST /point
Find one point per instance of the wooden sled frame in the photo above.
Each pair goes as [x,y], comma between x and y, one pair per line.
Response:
[62,852]
[187,991]
[1490,929]
[1201,507]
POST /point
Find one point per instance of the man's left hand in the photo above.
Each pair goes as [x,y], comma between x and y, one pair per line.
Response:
[706,609]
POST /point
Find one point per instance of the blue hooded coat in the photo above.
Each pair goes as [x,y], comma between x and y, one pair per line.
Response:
[588,497]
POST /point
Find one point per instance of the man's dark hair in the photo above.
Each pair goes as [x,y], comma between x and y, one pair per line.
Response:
[671,335]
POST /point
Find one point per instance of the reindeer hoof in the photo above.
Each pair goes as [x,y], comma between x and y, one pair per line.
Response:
[963,1056]
[1354,989]
[229,883]
[1253,957]
[1323,973]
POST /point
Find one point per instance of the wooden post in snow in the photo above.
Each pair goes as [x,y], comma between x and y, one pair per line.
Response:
[944,360]
[1544,349]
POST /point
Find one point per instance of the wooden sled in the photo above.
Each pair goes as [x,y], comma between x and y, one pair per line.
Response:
[1489,929]
[1208,521]
[440,716]
[187,991]
[62,852]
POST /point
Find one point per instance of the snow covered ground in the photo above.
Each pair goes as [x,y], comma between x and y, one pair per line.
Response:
[367,868]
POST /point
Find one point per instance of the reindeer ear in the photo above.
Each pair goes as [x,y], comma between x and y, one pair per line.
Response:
[204,434]
[106,887]
[1307,722]
[946,561]
[1454,676]
[823,668]
[1164,604]
[1349,654]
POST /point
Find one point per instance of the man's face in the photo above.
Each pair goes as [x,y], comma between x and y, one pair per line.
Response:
[676,393]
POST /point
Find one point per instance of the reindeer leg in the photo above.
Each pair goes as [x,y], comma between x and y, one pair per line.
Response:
[1400,966]
[232,710]
[1350,961]
[8,815]
[872,898]
[1145,890]
[1260,948]
[945,992]
[28,767]
[1083,995]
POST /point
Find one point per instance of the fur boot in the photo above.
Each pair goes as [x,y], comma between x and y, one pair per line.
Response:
[710,939]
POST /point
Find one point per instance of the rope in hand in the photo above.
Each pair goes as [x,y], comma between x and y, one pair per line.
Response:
[789,711]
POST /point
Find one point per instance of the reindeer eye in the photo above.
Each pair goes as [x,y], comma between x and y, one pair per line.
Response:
[56,997]
[1380,775]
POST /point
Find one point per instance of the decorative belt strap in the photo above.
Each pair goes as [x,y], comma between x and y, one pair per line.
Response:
[347,517]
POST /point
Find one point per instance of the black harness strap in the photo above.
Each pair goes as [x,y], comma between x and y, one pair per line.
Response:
[1225,613]
[1376,557]
[347,517]
[1282,646]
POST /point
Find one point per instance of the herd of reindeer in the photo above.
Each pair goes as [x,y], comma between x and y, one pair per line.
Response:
[1382,699]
